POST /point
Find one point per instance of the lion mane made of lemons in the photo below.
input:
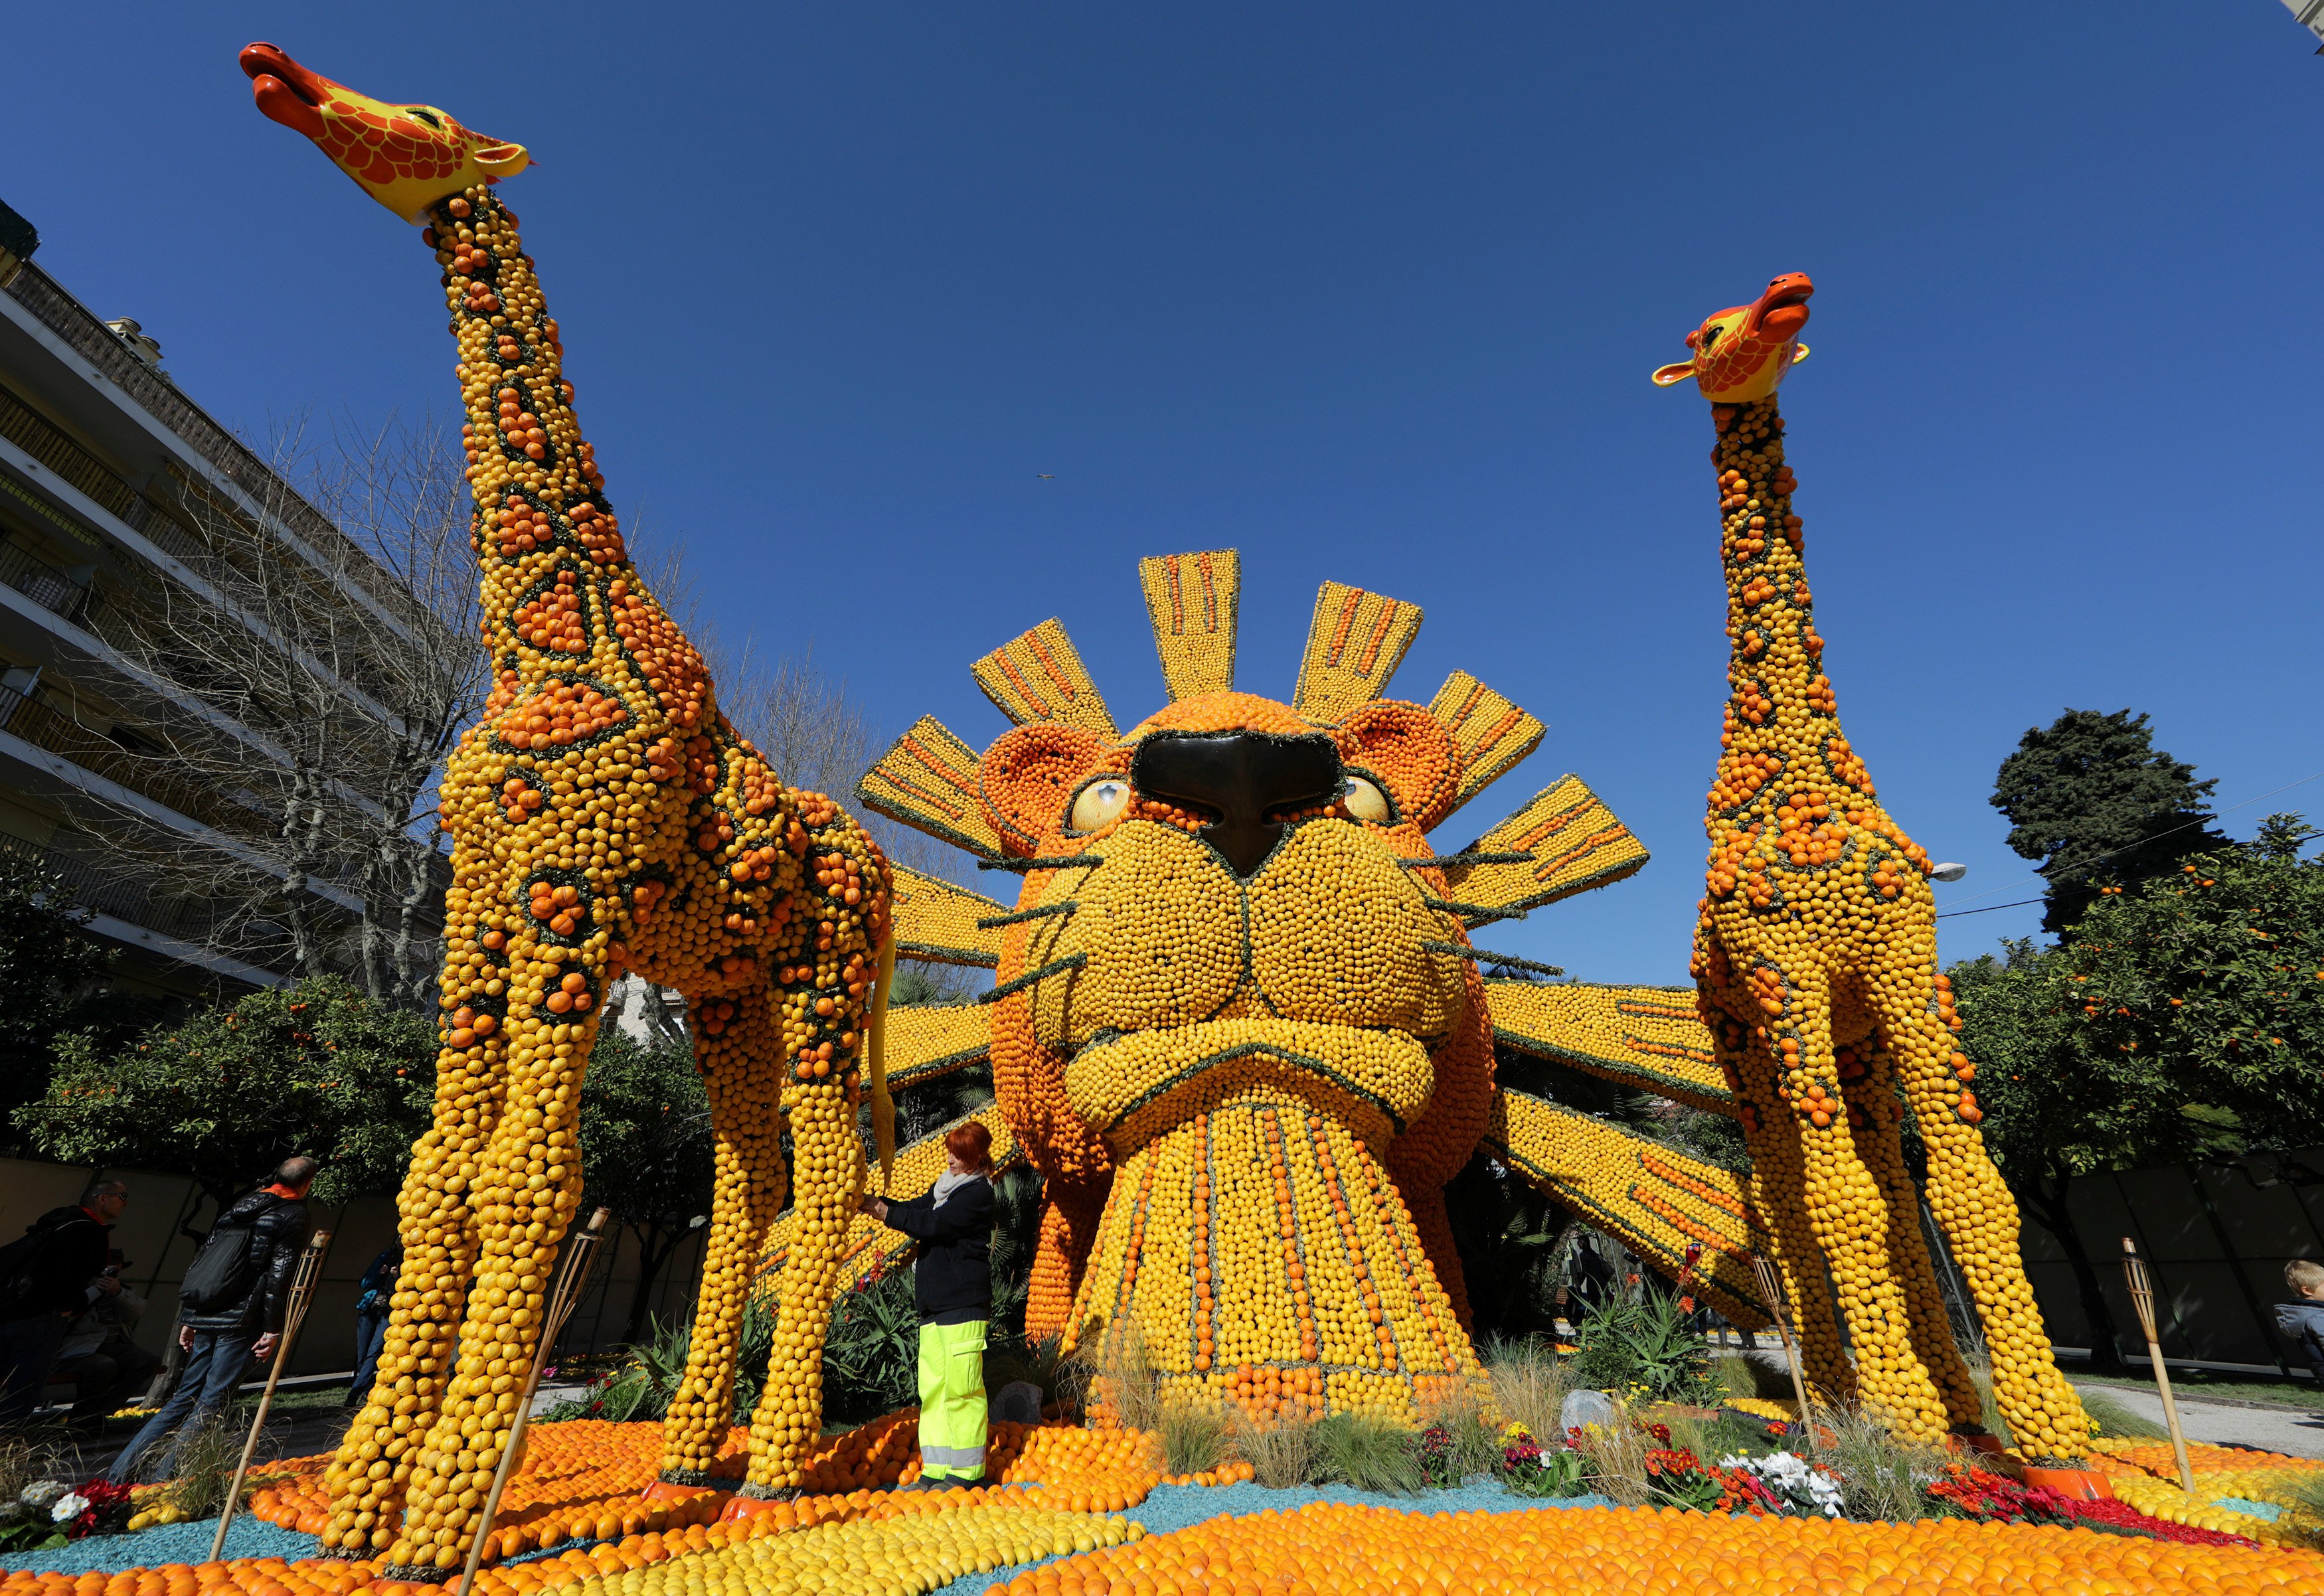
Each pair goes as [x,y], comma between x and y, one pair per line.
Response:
[1238,1026]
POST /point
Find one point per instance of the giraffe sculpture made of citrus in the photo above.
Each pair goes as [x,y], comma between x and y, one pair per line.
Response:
[603,818]
[1238,1025]
[1815,959]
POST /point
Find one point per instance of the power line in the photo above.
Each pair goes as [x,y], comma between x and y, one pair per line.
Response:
[1990,907]
[2142,841]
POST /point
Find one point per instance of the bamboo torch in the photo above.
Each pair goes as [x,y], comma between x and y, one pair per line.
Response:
[294,1312]
[2141,1297]
[572,1275]
[1771,1292]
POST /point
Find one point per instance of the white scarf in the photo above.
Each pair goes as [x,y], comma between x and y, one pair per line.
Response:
[947,1183]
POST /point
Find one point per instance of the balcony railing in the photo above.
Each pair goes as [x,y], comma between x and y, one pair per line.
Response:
[42,582]
[124,898]
[98,344]
[95,752]
[150,775]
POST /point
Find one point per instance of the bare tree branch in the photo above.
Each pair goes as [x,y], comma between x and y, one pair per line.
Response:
[295,703]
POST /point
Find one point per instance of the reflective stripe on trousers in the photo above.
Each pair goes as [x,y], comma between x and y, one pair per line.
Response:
[952,1401]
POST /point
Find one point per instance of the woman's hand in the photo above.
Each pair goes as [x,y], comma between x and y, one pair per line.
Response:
[877,1207]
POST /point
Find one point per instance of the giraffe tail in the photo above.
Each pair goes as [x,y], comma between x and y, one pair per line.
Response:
[883,1105]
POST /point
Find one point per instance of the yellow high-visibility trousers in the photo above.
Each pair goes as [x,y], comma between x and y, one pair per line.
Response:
[952,1401]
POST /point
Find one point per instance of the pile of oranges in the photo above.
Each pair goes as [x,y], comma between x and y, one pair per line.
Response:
[589,1480]
[2145,1474]
[1330,1549]
[1061,1492]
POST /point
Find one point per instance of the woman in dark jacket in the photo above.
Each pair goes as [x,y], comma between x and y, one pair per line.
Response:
[952,1289]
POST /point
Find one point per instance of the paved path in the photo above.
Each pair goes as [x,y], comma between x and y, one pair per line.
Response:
[2297,1431]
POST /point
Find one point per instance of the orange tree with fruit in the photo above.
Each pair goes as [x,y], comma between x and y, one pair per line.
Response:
[1815,958]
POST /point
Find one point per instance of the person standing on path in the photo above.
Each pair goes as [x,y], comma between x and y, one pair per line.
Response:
[952,1289]
[231,1307]
[47,1278]
[100,1354]
[373,1295]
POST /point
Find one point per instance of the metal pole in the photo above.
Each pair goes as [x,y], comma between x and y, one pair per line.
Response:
[1771,1292]
[2141,1297]
[570,1277]
[295,1310]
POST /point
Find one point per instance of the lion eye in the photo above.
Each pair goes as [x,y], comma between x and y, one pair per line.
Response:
[1365,801]
[1096,806]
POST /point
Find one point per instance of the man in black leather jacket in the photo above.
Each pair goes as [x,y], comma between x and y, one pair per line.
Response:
[220,1337]
[46,1285]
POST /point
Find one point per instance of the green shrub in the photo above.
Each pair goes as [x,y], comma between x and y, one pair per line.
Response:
[1650,1344]
[872,1361]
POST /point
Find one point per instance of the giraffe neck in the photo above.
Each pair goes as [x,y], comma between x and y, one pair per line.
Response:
[560,596]
[1774,669]
[1787,770]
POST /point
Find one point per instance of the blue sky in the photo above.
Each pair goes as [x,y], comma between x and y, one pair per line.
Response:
[1368,292]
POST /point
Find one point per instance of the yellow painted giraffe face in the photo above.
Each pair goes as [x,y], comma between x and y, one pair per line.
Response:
[406,157]
[1240,905]
[1742,353]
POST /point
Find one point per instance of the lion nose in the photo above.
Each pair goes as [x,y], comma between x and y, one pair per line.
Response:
[1242,778]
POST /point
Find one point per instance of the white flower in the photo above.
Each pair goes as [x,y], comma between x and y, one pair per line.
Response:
[1801,1484]
[41,1492]
[69,1507]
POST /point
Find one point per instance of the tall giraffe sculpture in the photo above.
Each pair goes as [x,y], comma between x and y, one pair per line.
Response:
[1815,962]
[603,818]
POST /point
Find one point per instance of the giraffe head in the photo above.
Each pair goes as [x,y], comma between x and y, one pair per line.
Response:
[406,157]
[1742,353]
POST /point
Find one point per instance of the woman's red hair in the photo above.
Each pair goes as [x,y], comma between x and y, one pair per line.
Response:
[971,1144]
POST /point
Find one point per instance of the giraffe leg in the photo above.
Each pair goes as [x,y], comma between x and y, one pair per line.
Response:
[1778,1185]
[439,1231]
[742,1069]
[1876,1117]
[1845,1209]
[1977,1216]
[527,1183]
[825,1000]
[830,1176]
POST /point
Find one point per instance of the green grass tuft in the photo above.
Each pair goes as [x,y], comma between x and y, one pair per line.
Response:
[1282,1451]
[1368,1453]
[1194,1437]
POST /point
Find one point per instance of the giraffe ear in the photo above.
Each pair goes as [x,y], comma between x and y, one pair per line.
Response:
[1669,375]
[1799,352]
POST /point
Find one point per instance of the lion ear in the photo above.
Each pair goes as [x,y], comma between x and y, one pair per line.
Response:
[1027,780]
[1666,375]
[1407,749]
